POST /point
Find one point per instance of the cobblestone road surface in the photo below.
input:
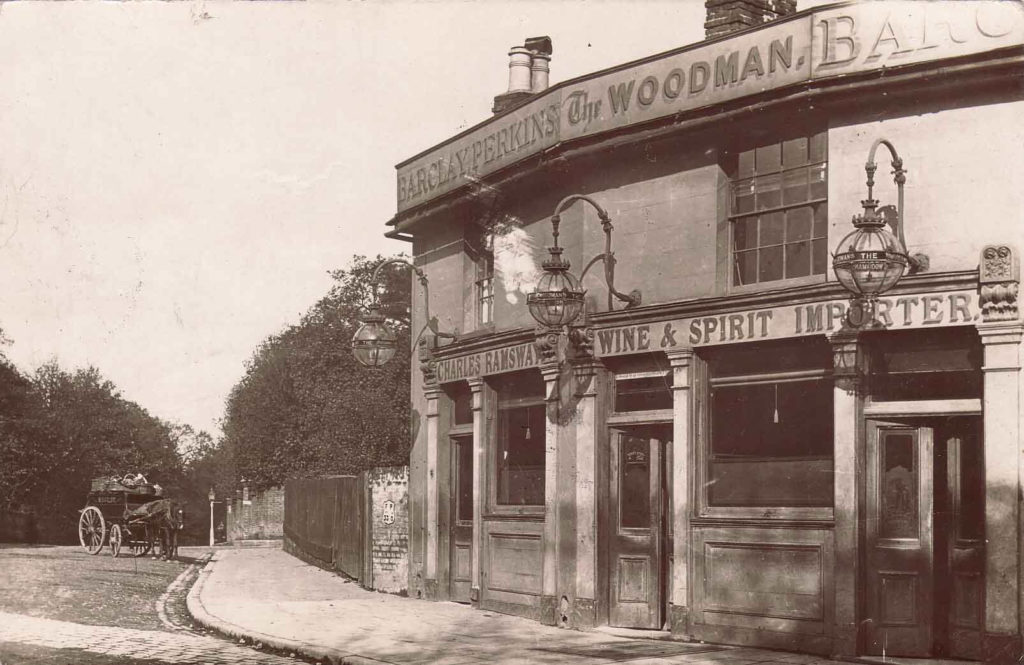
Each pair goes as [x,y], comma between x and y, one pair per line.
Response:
[150,646]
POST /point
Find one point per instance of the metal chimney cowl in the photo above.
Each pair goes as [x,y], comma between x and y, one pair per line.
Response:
[528,73]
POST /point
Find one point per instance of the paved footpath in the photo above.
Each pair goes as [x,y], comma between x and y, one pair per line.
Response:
[273,597]
[128,643]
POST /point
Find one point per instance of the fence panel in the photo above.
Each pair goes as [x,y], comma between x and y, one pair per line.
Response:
[348,527]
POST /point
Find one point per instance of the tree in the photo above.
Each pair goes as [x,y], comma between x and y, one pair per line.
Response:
[306,407]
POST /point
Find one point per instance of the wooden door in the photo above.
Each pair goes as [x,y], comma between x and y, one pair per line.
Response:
[964,550]
[460,564]
[900,543]
[636,586]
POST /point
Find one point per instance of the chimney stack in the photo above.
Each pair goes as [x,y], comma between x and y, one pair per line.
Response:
[527,73]
[728,16]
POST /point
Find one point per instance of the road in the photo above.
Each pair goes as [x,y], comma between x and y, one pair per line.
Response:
[59,605]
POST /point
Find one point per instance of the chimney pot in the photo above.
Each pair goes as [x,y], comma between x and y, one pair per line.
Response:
[519,69]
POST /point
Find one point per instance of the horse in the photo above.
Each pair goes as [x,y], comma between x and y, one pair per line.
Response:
[162,518]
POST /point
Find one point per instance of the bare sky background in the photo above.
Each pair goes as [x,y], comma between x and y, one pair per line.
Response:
[176,178]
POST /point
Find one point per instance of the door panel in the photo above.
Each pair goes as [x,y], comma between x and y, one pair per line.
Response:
[965,543]
[636,527]
[460,576]
[900,529]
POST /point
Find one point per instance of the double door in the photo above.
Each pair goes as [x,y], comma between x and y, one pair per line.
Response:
[925,537]
[639,526]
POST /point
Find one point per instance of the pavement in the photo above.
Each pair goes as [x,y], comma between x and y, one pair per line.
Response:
[268,596]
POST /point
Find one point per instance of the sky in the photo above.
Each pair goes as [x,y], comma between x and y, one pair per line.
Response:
[177,178]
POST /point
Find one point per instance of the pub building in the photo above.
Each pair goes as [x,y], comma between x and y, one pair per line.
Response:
[717,407]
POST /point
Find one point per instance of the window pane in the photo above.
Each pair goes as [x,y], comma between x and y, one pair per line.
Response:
[794,152]
[746,267]
[520,456]
[768,189]
[744,234]
[770,266]
[818,150]
[798,259]
[462,403]
[819,257]
[743,197]
[798,224]
[464,471]
[898,503]
[795,186]
[819,181]
[772,226]
[644,394]
[768,159]
[779,451]
[634,482]
[821,220]
[745,164]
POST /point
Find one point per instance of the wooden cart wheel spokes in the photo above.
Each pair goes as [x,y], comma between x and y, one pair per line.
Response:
[92,529]
[116,539]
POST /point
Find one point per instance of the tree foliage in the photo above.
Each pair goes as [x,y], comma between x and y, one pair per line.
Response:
[60,429]
[306,407]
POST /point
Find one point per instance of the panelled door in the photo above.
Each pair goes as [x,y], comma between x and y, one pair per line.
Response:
[460,567]
[637,526]
[961,566]
[900,539]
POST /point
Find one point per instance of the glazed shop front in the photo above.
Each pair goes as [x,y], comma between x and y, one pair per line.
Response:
[749,475]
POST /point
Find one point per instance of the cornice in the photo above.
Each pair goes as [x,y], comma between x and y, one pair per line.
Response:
[997,67]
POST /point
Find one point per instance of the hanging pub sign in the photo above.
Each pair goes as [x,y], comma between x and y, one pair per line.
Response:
[832,42]
[955,308]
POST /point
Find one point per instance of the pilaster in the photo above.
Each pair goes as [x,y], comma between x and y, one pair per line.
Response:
[849,369]
[1001,333]
[432,393]
[476,387]
[549,586]
[682,451]
[584,611]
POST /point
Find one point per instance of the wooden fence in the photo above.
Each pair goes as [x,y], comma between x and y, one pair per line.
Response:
[325,519]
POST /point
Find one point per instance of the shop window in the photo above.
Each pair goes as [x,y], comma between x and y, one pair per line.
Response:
[779,210]
[771,442]
[926,364]
[520,450]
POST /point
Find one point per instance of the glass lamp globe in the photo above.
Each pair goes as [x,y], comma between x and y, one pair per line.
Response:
[869,260]
[373,344]
[558,298]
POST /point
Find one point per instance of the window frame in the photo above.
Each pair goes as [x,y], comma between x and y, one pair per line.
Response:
[730,167]
[493,405]
[705,509]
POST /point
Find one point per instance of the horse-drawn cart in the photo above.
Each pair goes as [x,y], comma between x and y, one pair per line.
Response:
[107,517]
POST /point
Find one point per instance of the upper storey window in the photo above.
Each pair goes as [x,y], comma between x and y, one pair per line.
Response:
[480,247]
[779,210]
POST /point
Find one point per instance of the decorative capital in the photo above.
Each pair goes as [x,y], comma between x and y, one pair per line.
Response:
[999,283]
[848,359]
[428,364]
[581,340]
[546,343]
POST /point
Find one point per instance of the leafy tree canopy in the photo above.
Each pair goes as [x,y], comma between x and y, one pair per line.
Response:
[306,407]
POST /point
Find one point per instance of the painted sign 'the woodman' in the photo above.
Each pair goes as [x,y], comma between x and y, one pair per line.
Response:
[736,456]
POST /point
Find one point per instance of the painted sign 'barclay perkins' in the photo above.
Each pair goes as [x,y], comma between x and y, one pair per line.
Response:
[815,46]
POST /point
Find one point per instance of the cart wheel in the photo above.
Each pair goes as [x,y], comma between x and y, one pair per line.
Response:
[92,529]
[115,540]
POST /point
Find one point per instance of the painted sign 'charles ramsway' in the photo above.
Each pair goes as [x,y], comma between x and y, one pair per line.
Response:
[831,42]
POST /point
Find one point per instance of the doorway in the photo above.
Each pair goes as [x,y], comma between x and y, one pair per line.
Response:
[460,564]
[638,525]
[925,537]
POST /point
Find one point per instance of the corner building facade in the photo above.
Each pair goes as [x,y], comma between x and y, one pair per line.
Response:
[727,461]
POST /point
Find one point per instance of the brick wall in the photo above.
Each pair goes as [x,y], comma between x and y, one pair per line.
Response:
[262,518]
[389,528]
